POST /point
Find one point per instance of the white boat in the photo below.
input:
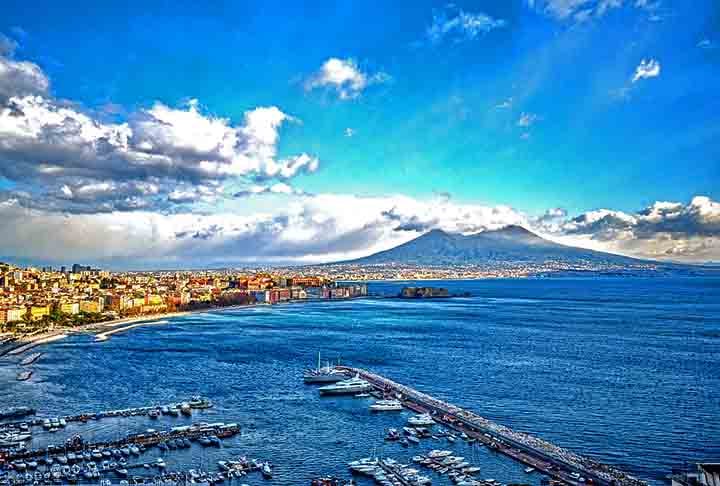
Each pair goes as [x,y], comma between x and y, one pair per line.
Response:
[386,406]
[529,470]
[422,420]
[346,387]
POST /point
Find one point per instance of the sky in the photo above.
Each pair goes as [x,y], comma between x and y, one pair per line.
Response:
[174,134]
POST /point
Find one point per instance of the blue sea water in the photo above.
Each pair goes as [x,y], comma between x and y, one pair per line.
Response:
[624,370]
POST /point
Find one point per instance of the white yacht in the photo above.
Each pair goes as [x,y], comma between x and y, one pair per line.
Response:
[422,420]
[386,406]
[346,387]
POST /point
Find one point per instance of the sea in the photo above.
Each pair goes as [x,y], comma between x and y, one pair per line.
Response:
[624,370]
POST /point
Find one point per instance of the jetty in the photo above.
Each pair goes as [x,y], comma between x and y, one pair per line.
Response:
[36,341]
[147,439]
[561,464]
[193,403]
[104,336]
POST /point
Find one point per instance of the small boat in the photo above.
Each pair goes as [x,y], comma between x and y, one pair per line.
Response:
[154,414]
[413,439]
[325,374]
[362,395]
[266,471]
[200,402]
[392,434]
[386,406]
[24,375]
[121,472]
[185,409]
[421,420]
[529,470]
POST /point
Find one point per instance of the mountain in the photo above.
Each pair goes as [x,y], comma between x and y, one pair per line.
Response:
[509,244]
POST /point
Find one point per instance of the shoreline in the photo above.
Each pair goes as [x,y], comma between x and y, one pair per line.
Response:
[105,329]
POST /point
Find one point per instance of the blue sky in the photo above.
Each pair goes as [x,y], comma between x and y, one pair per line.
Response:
[528,104]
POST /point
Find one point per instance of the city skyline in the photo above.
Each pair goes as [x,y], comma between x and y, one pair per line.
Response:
[139,136]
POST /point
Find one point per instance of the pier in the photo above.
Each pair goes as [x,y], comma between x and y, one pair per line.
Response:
[85,417]
[547,458]
[147,439]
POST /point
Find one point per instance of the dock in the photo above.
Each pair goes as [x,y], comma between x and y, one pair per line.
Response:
[88,416]
[545,457]
[148,439]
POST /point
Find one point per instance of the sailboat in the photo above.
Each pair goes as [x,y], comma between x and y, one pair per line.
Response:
[324,374]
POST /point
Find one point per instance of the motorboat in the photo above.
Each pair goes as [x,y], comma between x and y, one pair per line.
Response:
[421,420]
[347,387]
[386,406]
[323,374]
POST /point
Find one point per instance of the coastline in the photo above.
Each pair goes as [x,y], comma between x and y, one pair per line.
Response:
[103,330]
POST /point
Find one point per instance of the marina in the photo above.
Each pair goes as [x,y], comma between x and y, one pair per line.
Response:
[194,432]
[196,402]
[558,463]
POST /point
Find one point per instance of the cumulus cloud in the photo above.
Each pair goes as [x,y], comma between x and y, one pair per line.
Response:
[323,227]
[662,230]
[583,10]
[277,188]
[345,77]
[61,157]
[329,227]
[458,25]
[19,78]
[648,68]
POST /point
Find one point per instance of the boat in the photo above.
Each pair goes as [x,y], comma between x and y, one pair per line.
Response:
[24,375]
[185,409]
[529,470]
[200,402]
[413,439]
[346,387]
[13,412]
[30,359]
[421,420]
[266,471]
[154,414]
[323,374]
[386,406]
[392,434]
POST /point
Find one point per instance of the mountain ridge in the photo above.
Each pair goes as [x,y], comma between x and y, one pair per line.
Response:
[511,243]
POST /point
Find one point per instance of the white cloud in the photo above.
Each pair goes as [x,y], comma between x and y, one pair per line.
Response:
[505,104]
[459,25]
[648,68]
[707,44]
[349,132]
[584,10]
[527,119]
[664,229]
[329,227]
[345,77]
[20,78]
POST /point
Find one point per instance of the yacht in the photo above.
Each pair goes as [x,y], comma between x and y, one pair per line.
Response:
[346,387]
[324,374]
[386,406]
[421,420]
